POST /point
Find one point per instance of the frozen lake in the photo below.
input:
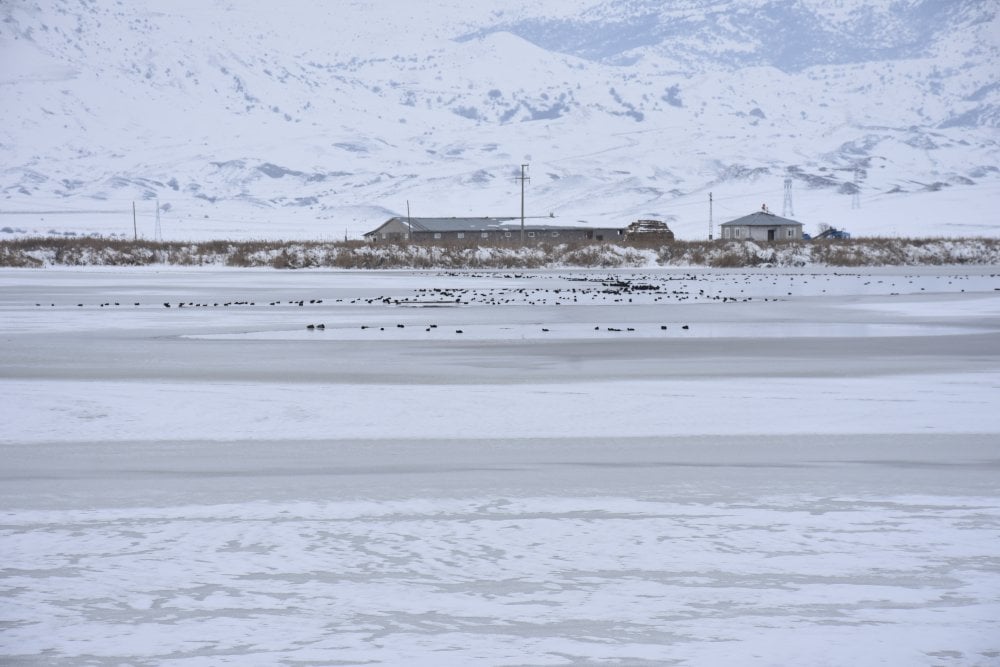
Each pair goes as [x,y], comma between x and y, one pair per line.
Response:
[526,468]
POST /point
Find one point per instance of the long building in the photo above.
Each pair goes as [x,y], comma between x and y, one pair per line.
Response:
[485,230]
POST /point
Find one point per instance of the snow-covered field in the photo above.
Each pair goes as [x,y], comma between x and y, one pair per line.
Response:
[532,468]
[320,120]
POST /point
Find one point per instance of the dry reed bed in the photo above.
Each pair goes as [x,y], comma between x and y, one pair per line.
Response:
[91,251]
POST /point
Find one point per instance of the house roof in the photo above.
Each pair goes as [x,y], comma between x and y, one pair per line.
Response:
[456,224]
[472,225]
[760,219]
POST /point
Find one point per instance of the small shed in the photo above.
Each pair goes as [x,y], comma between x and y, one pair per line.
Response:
[762,226]
[649,230]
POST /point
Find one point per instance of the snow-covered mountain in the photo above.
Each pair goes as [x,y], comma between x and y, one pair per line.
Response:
[319,119]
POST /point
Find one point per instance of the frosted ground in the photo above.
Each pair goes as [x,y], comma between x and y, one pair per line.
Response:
[806,474]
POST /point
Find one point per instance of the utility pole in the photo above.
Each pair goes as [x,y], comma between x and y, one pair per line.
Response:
[135,228]
[786,207]
[710,229]
[523,178]
[409,225]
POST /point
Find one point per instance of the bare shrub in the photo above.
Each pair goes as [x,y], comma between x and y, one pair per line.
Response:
[655,242]
[728,259]
[33,252]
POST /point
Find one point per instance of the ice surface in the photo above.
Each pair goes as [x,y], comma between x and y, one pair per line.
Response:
[807,474]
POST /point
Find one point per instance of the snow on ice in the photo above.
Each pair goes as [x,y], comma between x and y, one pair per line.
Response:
[806,474]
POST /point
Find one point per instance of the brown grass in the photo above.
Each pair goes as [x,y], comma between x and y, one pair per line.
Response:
[35,252]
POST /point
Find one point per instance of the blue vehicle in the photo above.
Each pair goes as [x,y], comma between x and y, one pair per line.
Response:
[830,233]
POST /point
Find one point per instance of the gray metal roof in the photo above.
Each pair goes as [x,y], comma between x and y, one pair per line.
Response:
[455,224]
[476,225]
[760,219]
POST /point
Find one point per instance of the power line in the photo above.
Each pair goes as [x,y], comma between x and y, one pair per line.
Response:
[65,212]
[745,195]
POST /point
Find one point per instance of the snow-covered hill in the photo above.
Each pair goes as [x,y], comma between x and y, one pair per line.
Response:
[256,119]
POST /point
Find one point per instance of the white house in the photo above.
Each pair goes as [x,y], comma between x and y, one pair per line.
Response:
[762,226]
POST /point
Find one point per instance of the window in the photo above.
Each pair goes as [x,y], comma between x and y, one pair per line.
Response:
[461,235]
[384,235]
[437,235]
[485,235]
[737,230]
[531,234]
[554,234]
[788,233]
[506,234]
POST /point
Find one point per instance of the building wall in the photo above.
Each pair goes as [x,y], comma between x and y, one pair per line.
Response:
[396,231]
[391,231]
[760,233]
[513,236]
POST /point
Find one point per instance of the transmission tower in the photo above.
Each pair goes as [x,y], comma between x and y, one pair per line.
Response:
[158,233]
[786,206]
[524,178]
[856,195]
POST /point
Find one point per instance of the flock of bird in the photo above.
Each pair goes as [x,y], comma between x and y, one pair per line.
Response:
[720,287]
[430,327]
